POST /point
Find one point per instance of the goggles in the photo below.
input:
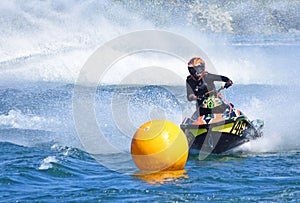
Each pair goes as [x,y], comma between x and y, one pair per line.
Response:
[199,68]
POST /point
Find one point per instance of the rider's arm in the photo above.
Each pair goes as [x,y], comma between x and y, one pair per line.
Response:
[189,91]
[215,77]
[222,78]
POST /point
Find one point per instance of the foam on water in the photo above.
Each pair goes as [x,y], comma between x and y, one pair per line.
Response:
[47,163]
[49,41]
[43,46]
[15,119]
[281,130]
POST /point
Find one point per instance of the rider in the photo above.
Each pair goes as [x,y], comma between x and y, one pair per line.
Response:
[200,86]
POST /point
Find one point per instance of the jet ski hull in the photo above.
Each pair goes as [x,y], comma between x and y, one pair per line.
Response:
[221,136]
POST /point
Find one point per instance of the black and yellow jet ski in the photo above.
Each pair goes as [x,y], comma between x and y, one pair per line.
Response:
[220,132]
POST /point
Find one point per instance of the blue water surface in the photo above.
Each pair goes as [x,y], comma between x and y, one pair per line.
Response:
[42,159]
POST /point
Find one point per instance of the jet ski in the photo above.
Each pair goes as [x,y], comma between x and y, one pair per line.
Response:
[220,132]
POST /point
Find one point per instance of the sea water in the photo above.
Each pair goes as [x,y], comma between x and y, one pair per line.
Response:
[44,45]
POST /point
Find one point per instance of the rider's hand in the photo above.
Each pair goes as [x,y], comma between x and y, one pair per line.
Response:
[192,97]
[228,84]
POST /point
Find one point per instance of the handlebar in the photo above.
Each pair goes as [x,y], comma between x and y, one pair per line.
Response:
[221,88]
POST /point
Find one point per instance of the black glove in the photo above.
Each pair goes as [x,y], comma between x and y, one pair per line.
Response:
[228,84]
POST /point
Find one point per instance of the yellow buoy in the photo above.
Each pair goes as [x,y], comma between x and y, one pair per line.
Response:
[159,145]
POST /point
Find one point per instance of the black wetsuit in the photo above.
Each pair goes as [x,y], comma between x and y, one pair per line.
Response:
[204,88]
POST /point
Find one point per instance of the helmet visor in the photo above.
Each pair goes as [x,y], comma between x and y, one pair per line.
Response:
[199,68]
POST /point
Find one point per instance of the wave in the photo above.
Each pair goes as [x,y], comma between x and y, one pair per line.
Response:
[50,41]
[272,104]
[16,119]
[234,16]
[34,129]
